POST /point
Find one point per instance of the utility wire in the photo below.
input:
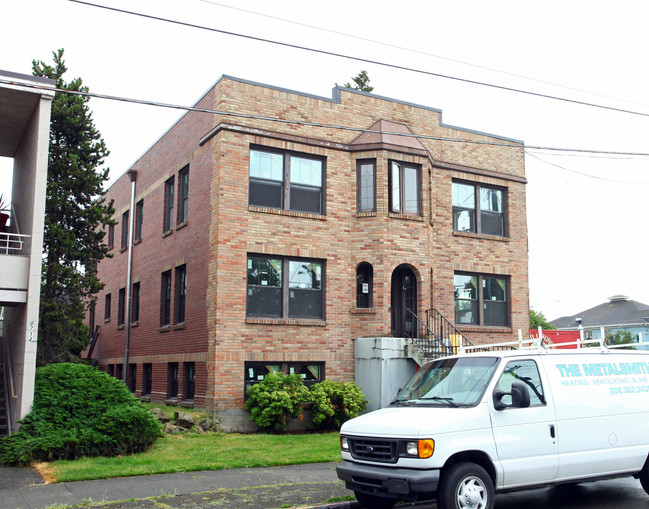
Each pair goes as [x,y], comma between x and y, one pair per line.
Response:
[366,60]
[585,174]
[420,52]
[316,124]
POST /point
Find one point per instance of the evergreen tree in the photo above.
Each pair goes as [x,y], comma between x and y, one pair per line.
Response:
[76,214]
[361,82]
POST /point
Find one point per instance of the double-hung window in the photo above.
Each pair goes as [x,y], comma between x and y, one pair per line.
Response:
[121,307]
[165,299]
[286,180]
[181,293]
[479,208]
[125,226]
[139,220]
[168,217]
[285,287]
[366,186]
[481,299]
[405,188]
[183,195]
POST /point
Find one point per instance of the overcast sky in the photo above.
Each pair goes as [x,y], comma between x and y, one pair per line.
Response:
[587,213]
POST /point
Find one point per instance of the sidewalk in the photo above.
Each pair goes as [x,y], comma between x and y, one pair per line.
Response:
[309,485]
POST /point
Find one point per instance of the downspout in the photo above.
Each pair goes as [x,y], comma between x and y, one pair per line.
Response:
[132,174]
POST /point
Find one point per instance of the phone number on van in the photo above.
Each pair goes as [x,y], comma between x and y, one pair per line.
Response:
[629,390]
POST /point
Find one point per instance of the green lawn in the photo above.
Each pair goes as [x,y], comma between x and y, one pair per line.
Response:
[210,451]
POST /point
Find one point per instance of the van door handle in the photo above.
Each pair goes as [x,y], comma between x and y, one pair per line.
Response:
[552,433]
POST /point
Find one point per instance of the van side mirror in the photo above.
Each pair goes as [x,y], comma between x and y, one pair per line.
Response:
[520,395]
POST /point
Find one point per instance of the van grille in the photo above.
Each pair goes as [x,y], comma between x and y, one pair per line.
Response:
[374,449]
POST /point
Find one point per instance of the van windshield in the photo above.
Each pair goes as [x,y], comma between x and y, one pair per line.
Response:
[452,382]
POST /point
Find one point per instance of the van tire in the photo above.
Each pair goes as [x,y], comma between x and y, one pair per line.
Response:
[465,486]
[374,502]
[644,477]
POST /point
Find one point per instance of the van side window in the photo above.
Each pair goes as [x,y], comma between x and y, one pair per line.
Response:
[527,372]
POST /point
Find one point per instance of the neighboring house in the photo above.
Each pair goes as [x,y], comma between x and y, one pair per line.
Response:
[620,313]
[263,245]
[24,137]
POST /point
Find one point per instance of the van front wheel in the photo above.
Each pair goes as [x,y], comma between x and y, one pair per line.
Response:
[465,486]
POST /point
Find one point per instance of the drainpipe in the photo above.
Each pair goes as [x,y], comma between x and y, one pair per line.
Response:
[132,174]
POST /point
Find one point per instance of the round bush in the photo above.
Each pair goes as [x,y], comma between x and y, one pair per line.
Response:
[79,411]
[334,403]
[274,399]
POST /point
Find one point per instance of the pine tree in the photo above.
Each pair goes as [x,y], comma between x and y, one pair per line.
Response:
[361,82]
[76,214]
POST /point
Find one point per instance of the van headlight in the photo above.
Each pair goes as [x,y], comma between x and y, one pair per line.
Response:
[423,448]
[344,443]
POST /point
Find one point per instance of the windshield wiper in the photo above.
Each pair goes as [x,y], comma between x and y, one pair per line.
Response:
[448,401]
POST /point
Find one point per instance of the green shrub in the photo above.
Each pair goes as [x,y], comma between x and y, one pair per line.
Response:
[334,403]
[79,411]
[274,399]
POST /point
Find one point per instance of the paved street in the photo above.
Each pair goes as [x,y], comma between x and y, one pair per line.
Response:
[611,494]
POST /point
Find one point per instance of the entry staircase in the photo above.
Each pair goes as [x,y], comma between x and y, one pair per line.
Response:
[434,335]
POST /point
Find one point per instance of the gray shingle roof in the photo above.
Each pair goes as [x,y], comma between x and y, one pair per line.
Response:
[619,310]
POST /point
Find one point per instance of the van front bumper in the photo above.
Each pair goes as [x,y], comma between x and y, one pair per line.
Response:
[402,483]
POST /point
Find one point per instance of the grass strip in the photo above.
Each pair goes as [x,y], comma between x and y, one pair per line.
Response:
[188,452]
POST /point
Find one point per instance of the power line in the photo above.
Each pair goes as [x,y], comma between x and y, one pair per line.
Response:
[586,174]
[366,60]
[317,124]
[419,52]
[320,125]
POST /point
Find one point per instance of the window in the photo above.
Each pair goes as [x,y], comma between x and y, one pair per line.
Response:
[168,217]
[111,369]
[121,307]
[119,372]
[183,195]
[132,377]
[111,236]
[364,275]
[190,374]
[107,307]
[527,372]
[481,300]
[125,230]
[139,218]
[283,287]
[135,303]
[366,186]
[172,380]
[181,292]
[310,372]
[147,378]
[405,188]
[489,201]
[286,181]
[165,299]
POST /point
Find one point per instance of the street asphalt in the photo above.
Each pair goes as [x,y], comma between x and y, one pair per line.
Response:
[312,485]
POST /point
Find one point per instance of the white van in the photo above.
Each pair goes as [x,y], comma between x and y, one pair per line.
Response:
[471,425]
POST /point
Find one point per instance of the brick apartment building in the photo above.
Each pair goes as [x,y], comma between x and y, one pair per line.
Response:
[275,228]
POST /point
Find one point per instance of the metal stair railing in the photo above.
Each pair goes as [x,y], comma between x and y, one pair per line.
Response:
[442,328]
[438,340]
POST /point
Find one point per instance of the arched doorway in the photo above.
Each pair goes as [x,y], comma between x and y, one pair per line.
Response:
[404,301]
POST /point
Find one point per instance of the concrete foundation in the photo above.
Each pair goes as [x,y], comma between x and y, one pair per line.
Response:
[383,366]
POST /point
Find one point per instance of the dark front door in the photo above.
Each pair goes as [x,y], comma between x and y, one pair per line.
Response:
[404,302]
